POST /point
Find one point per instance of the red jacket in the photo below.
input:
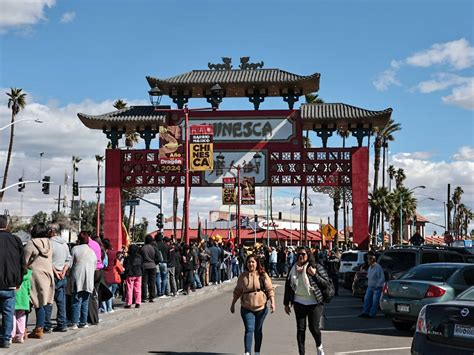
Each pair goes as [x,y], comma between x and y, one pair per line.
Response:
[112,271]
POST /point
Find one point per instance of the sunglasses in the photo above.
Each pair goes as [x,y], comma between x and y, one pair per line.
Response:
[302,254]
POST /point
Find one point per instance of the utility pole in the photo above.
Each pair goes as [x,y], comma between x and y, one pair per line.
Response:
[449,209]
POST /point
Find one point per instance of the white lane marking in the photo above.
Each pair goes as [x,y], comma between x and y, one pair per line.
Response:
[357,330]
[371,350]
[351,316]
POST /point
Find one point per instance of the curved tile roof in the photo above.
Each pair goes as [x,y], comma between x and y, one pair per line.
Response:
[133,115]
[338,111]
[235,81]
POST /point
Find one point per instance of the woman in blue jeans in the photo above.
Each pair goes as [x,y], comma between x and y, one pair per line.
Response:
[254,288]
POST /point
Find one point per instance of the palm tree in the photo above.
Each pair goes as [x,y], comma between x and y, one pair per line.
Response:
[456,201]
[380,202]
[130,138]
[382,136]
[399,178]
[16,102]
[391,175]
[408,209]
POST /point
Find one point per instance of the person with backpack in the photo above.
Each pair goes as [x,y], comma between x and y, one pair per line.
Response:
[307,287]
[254,288]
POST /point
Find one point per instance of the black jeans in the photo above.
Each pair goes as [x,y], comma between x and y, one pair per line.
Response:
[313,313]
[148,281]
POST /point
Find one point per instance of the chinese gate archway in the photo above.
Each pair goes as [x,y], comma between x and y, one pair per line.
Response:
[266,144]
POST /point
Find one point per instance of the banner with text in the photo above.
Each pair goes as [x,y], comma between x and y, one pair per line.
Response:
[229,193]
[248,190]
[201,148]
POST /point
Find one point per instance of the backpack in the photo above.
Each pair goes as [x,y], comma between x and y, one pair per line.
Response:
[328,292]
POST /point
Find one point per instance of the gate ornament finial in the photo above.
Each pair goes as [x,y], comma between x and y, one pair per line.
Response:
[245,65]
[225,66]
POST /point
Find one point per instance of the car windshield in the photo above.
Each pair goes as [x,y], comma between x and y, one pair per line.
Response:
[430,273]
[398,260]
[349,257]
[467,295]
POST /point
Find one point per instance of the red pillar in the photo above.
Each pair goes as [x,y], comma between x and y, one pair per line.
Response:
[113,203]
[360,197]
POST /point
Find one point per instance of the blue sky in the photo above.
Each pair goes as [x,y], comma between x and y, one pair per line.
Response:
[414,56]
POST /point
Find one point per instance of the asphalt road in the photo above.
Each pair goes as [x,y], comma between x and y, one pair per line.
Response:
[208,327]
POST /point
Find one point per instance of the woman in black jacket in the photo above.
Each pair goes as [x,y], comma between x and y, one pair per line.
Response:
[304,288]
[188,263]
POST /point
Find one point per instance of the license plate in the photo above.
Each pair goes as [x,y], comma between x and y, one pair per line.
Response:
[405,308]
[463,331]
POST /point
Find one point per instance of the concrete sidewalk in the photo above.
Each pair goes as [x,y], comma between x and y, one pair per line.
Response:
[109,322]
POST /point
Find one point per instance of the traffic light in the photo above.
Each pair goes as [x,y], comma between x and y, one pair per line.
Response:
[159,220]
[21,187]
[75,188]
[256,218]
[45,188]
[280,216]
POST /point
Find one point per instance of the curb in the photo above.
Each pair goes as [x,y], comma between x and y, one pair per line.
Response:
[120,318]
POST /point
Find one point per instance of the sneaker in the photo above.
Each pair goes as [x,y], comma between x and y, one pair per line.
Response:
[111,311]
[137,306]
[60,329]
[37,333]
[151,300]
[320,350]
[165,296]
[127,306]
[5,344]
[73,326]
[47,331]
[83,325]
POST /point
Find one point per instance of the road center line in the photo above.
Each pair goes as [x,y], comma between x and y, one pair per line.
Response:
[371,350]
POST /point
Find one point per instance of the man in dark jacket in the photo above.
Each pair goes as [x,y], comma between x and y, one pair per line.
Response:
[332,266]
[162,266]
[148,253]
[215,254]
[11,275]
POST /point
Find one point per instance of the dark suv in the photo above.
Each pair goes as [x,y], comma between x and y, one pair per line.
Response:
[399,259]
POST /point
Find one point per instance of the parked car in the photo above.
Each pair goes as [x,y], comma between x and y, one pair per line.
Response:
[399,259]
[403,299]
[446,328]
[350,260]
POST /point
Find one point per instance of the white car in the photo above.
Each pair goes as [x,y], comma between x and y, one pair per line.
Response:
[349,260]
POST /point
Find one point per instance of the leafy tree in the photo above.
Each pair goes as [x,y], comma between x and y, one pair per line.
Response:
[139,231]
[89,216]
[400,178]
[17,225]
[16,102]
[39,217]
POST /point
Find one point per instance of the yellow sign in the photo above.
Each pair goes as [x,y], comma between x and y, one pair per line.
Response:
[329,232]
[229,193]
[201,148]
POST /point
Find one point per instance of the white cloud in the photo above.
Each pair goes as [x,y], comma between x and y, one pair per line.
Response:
[465,153]
[458,54]
[68,17]
[20,13]
[386,79]
[462,96]
[436,175]
[441,81]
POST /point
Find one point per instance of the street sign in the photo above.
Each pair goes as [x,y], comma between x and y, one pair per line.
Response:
[229,193]
[132,202]
[329,232]
[247,196]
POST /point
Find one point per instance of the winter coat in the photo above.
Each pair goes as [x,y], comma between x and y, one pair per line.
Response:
[39,259]
[133,265]
[11,261]
[112,272]
[22,295]
[84,262]
[319,281]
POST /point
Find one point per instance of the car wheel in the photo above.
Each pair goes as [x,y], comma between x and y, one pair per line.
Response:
[402,325]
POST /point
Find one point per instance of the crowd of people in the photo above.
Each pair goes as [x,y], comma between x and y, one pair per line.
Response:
[85,278]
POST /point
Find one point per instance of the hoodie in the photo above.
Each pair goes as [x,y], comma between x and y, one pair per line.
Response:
[61,253]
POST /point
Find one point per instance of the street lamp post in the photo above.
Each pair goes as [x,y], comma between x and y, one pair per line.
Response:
[401,209]
[22,120]
[305,225]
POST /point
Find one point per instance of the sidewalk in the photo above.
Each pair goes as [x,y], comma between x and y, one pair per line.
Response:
[111,321]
